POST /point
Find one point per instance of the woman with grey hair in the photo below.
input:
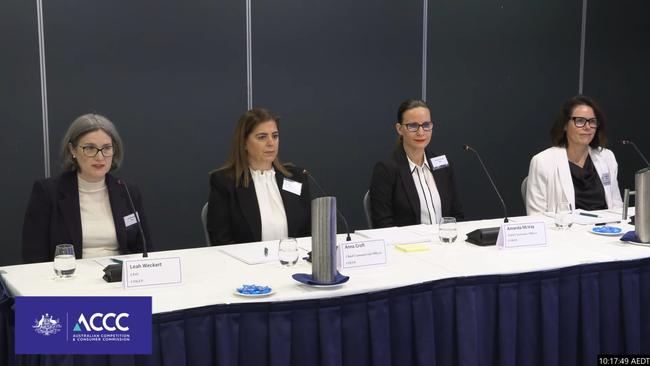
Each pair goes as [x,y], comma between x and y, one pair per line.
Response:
[85,206]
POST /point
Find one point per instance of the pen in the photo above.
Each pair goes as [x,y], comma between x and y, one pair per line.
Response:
[118,261]
[266,251]
[588,214]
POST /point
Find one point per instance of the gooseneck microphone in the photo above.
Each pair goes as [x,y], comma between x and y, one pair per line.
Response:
[137,219]
[628,142]
[338,213]
[505,211]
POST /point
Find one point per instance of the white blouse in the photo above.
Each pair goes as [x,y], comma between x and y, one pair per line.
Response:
[274,218]
[430,206]
[98,233]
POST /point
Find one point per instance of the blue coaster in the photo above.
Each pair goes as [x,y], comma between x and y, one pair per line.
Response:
[309,280]
[631,237]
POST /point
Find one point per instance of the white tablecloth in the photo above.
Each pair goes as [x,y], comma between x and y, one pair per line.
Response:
[210,276]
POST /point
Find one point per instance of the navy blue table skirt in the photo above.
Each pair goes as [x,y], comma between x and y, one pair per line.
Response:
[560,317]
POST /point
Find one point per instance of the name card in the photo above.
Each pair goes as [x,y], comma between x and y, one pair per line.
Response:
[518,235]
[353,254]
[146,272]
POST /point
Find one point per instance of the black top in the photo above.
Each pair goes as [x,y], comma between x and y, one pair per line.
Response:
[394,199]
[589,191]
[53,217]
[234,214]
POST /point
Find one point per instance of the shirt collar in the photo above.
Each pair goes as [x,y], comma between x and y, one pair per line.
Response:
[413,166]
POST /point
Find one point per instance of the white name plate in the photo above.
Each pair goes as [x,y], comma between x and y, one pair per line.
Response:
[353,254]
[522,234]
[146,272]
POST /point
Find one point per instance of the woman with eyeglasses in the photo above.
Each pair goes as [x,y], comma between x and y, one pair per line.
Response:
[254,197]
[578,169]
[85,206]
[415,185]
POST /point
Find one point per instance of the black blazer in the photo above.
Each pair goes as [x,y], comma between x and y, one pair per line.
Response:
[234,214]
[394,199]
[53,217]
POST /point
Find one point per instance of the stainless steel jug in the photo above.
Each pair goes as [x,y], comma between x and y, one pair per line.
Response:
[323,239]
[642,207]
[642,210]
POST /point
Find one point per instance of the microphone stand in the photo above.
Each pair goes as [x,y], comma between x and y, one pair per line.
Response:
[338,213]
[486,236]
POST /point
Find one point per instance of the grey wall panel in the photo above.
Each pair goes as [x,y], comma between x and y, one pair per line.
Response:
[171,75]
[335,72]
[21,137]
[617,76]
[497,74]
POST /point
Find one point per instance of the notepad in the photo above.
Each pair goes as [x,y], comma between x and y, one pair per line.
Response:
[253,253]
[592,217]
[412,247]
[394,236]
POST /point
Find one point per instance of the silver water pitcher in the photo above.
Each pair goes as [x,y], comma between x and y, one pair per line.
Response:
[642,209]
[323,239]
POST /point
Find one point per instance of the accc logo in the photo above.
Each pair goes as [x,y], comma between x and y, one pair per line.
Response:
[100,322]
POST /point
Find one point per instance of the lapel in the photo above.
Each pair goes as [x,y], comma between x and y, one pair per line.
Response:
[119,206]
[564,174]
[440,180]
[247,198]
[602,168]
[69,208]
[407,181]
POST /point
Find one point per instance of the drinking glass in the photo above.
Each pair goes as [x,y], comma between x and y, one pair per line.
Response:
[64,260]
[447,231]
[563,212]
[288,252]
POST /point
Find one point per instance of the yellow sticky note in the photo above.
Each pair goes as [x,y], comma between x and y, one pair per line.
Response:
[412,247]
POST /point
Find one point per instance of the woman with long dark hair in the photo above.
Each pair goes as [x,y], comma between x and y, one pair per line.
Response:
[253,197]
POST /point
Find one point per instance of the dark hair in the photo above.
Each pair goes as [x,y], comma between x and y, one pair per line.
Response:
[405,106]
[558,132]
[236,166]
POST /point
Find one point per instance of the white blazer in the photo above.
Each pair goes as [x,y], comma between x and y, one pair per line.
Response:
[550,182]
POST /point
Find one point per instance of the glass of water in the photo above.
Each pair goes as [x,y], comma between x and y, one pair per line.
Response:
[288,252]
[64,260]
[563,212]
[447,231]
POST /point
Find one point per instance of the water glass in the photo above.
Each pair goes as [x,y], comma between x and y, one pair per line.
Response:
[288,252]
[64,260]
[563,212]
[447,231]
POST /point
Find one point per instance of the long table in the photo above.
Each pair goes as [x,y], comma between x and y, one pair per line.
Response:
[452,304]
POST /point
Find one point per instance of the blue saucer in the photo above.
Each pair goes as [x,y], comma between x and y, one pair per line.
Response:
[309,280]
[631,238]
[606,230]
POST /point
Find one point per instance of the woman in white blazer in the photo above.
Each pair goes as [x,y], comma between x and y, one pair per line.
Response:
[578,168]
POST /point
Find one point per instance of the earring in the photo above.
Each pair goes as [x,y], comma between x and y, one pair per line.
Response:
[74,156]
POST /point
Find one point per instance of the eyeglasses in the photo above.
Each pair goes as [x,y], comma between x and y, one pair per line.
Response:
[92,151]
[414,126]
[581,121]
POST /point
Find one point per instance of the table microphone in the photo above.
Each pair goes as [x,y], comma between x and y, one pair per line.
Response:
[338,213]
[113,272]
[486,236]
[628,142]
[137,219]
